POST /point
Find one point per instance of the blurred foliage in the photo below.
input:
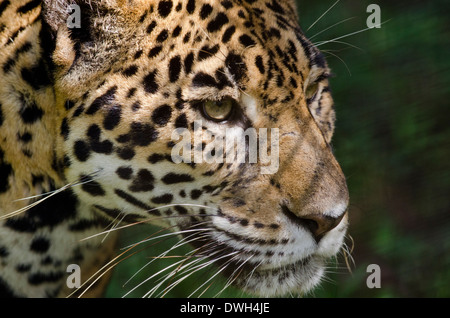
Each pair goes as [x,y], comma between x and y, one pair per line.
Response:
[392,139]
[393,142]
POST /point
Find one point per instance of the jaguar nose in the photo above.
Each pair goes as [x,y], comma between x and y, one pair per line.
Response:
[317,224]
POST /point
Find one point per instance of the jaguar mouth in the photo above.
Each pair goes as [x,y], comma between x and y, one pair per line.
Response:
[295,278]
[258,274]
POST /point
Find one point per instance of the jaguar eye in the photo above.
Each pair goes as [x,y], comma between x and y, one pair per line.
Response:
[311,91]
[218,111]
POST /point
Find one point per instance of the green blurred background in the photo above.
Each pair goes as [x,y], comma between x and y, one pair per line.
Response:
[392,139]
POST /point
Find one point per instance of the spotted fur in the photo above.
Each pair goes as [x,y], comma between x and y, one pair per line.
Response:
[86,119]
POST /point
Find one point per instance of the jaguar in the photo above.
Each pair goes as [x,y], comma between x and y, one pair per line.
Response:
[91,93]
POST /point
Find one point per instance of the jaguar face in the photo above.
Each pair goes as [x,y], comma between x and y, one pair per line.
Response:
[147,93]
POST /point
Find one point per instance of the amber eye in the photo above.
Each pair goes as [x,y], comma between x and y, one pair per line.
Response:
[218,110]
[311,91]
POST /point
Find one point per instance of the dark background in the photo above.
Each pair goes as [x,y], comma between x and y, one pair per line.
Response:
[392,139]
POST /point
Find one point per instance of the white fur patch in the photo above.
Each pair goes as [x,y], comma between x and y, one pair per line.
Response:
[250,107]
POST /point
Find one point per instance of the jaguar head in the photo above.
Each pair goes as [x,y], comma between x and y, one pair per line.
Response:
[213,118]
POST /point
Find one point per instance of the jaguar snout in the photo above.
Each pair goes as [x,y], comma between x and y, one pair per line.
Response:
[317,224]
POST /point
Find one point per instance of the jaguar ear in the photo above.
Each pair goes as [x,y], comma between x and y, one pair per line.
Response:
[76,15]
[67,24]
[80,32]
